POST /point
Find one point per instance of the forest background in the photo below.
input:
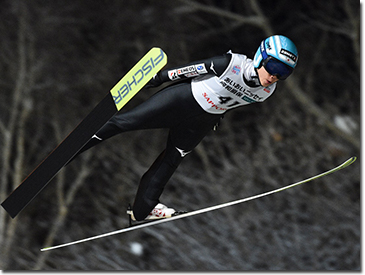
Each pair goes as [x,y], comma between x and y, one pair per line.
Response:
[58,59]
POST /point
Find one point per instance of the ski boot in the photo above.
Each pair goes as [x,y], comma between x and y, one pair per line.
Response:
[160,211]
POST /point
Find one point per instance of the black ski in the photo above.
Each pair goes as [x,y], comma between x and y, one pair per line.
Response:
[118,96]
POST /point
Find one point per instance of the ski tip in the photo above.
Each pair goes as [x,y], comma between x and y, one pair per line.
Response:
[347,162]
[350,161]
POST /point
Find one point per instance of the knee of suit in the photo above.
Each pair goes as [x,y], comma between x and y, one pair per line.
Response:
[108,130]
[175,154]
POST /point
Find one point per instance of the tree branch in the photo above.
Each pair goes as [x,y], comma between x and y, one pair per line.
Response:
[252,20]
[310,107]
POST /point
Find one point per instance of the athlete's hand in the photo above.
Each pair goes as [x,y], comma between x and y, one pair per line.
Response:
[154,82]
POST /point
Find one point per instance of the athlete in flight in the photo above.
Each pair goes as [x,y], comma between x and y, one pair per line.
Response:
[192,107]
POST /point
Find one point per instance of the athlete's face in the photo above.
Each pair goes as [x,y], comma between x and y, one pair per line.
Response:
[265,78]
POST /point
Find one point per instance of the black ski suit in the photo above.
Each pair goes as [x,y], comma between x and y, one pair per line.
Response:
[176,109]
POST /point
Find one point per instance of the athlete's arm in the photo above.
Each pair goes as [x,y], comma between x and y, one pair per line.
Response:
[214,66]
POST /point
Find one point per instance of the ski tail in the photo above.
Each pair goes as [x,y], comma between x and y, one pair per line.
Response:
[118,96]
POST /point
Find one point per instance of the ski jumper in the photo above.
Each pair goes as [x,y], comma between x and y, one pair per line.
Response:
[189,109]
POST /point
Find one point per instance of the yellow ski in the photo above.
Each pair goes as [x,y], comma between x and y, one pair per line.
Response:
[119,95]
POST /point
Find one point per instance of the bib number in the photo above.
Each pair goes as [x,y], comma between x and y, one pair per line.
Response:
[224,100]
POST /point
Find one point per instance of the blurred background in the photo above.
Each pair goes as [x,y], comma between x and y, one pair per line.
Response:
[58,59]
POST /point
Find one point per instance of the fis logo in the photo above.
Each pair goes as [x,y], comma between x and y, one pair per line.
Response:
[136,76]
[236,70]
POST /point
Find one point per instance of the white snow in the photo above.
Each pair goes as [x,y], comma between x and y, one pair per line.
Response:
[136,248]
[345,123]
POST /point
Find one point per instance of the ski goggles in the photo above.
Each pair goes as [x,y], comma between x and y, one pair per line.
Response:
[273,66]
[277,68]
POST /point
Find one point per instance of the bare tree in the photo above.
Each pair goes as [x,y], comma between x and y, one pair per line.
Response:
[59,59]
[13,134]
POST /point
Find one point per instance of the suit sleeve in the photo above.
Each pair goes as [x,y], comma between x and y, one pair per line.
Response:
[214,66]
